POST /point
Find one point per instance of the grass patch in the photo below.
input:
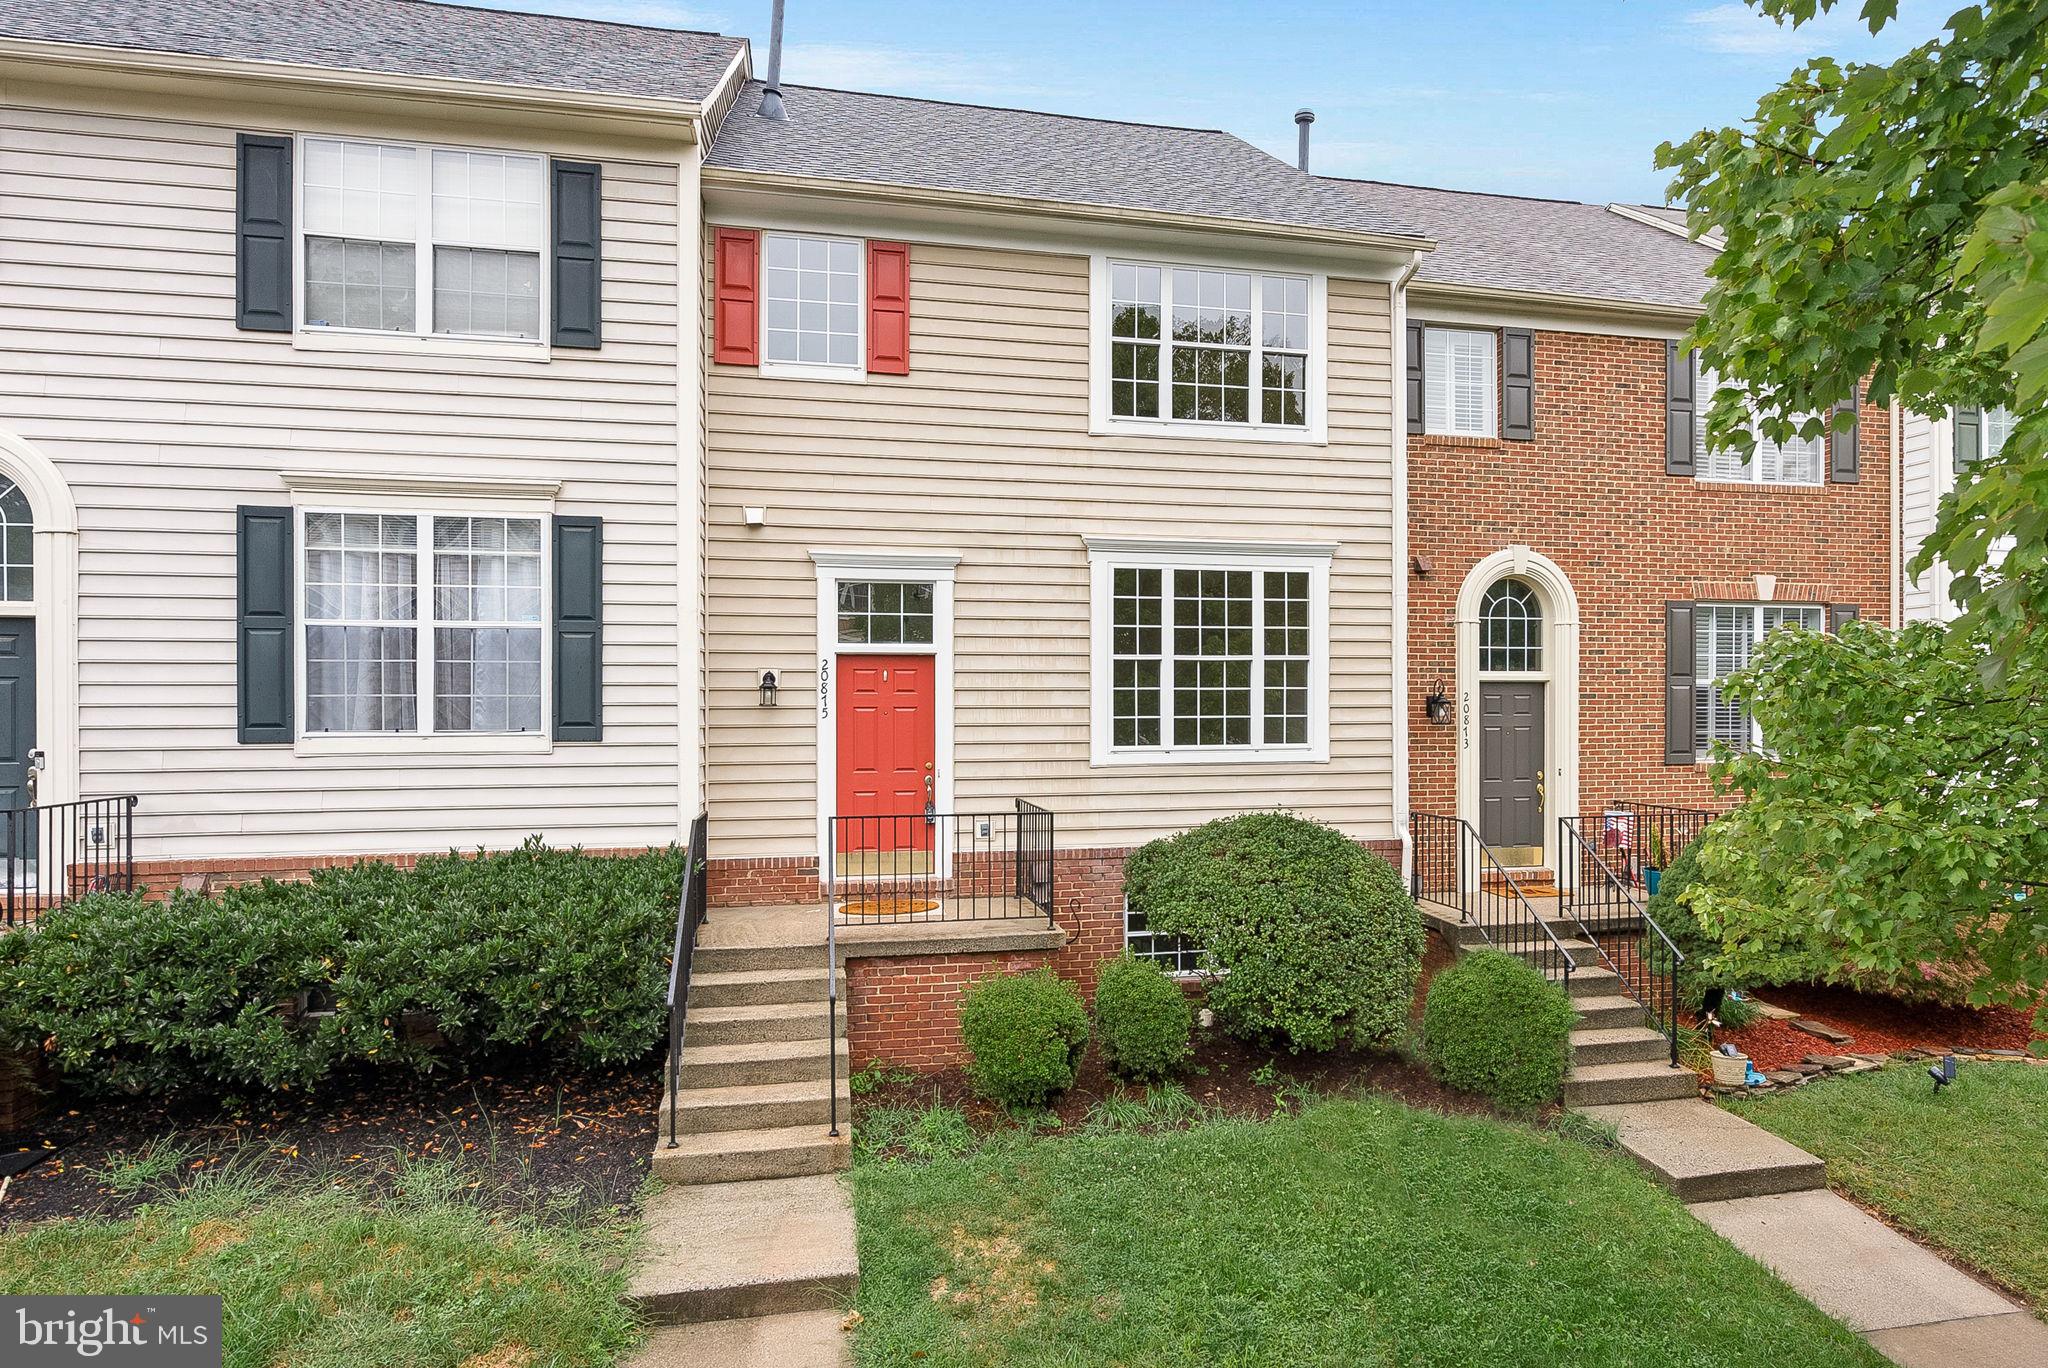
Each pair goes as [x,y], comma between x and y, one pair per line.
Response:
[1962,1171]
[1355,1233]
[315,1276]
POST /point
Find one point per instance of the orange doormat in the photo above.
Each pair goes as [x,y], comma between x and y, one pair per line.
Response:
[886,907]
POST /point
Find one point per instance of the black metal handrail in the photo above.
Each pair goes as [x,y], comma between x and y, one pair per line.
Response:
[690,919]
[941,866]
[59,852]
[1608,913]
[1454,868]
[1657,833]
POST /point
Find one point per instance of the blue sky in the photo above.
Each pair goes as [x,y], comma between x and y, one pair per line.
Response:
[1565,99]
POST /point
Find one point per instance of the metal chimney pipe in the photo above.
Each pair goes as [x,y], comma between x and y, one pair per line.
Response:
[771,93]
[1302,119]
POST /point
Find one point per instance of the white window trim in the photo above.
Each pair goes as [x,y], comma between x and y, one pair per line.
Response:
[1101,422]
[855,374]
[1106,555]
[519,500]
[1703,745]
[1755,478]
[1491,432]
[425,341]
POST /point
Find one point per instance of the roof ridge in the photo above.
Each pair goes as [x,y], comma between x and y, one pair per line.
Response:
[1448,190]
[574,19]
[970,104]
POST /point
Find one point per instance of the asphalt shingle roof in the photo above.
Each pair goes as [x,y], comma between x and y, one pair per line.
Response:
[1506,242]
[395,37]
[929,144]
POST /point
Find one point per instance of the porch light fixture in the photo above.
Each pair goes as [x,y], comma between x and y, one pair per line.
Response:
[1437,707]
[767,688]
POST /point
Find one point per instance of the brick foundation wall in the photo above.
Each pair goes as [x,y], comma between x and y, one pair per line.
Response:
[1590,493]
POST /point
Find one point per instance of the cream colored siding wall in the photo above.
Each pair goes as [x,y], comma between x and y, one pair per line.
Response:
[1924,478]
[984,449]
[119,359]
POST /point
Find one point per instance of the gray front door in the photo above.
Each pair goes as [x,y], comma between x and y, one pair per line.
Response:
[1511,771]
[17,708]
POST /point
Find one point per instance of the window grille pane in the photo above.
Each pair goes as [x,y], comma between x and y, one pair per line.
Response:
[1174,954]
[810,292]
[1137,642]
[1283,313]
[1213,648]
[353,283]
[361,679]
[487,199]
[1211,385]
[1997,427]
[1213,307]
[1287,657]
[17,544]
[1459,381]
[486,293]
[885,613]
[1285,397]
[1510,628]
[360,190]
[487,679]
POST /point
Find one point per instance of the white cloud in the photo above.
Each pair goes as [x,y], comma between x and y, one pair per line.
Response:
[908,71]
[1740,31]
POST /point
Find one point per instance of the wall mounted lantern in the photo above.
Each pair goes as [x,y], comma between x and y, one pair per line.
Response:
[767,688]
[1437,707]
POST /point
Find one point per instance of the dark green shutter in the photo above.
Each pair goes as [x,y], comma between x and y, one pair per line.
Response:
[263,626]
[1681,746]
[1843,442]
[579,629]
[577,220]
[1414,334]
[1681,411]
[1517,384]
[1839,613]
[1969,436]
[263,232]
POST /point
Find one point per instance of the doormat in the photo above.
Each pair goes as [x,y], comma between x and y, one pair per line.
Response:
[887,907]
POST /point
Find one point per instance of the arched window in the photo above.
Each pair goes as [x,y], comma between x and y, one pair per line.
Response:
[17,544]
[1510,629]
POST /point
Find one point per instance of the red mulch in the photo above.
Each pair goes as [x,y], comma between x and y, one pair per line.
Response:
[1877,1025]
[527,1137]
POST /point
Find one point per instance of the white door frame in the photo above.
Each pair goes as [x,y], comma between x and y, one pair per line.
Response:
[55,610]
[1560,677]
[834,566]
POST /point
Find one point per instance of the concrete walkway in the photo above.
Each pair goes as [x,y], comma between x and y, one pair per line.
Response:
[1769,1198]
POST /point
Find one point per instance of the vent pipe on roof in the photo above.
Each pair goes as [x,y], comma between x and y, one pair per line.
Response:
[1302,119]
[771,94]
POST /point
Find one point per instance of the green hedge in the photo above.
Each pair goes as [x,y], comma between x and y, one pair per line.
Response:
[1311,938]
[1025,1034]
[1493,1025]
[1142,1019]
[549,951]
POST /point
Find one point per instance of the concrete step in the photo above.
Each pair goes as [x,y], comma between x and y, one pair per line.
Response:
[744,1156]
[1596,981]
[1705,1154]
[1609,1013]
[752,987]
[757,1022]
[1619,1045]
[796,1339]
[756,1106]
[737,959]
[773,1061]
[1592,1085]
[726,1251]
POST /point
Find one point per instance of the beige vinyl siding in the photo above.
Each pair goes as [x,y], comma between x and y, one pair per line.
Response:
[984,450]
[1925,475]
[119,359]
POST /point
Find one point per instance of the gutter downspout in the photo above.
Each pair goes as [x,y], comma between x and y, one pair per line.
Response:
[691,527]
[1399,291]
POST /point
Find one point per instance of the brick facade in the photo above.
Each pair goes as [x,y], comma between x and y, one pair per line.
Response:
[1590,493]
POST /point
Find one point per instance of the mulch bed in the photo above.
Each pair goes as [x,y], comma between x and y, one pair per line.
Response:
[527,1138]
[1876,1025]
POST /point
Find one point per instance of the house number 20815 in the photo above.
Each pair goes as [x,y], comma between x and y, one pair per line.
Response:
[825,686]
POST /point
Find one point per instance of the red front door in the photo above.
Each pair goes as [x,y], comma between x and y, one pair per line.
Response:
[887,751]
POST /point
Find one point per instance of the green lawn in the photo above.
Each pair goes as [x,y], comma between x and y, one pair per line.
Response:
[1356,1233]
[1964,1170]
[326,1278]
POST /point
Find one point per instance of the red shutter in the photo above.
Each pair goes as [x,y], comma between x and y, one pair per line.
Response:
[888,308]
[736,297]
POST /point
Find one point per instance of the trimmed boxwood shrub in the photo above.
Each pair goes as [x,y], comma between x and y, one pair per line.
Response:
[1025,1034]
[1142,1019]
[1493,1025]
[1309,938]
[553,952]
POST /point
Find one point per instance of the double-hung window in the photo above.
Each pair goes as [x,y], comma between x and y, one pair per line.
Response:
[1197,345]
[1795,461]
[1461,382]
[1725,635]
[1209,657]
[408,238]
[422,622]
[811,301]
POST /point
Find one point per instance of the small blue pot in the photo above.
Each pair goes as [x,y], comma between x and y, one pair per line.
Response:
[1652,878]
